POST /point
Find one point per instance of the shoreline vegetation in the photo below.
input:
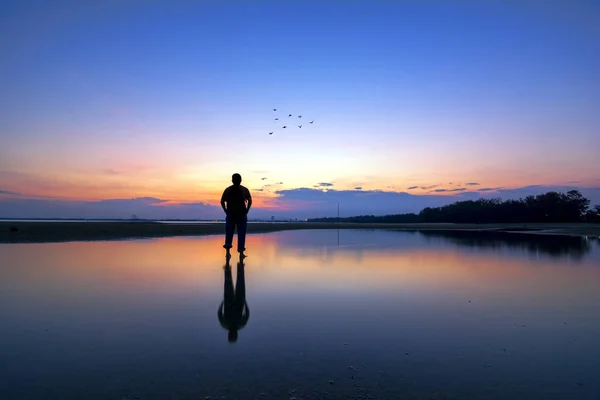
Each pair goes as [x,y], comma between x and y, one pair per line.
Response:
[50,232]
[549,207]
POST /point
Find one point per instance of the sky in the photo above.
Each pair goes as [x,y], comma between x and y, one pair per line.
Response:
[114,108]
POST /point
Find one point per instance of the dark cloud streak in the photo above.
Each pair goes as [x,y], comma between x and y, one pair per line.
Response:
[10,193]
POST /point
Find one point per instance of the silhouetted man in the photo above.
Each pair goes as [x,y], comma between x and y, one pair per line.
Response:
[233,310]
[238,201]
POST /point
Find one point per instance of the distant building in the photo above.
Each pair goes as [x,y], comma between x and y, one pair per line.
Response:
[272,218]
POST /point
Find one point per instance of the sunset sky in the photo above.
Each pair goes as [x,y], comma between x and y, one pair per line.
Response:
[117,107]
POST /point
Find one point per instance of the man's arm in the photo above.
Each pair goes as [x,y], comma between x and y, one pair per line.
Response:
[223,201]
[245,315]
[249,198]
[222,319]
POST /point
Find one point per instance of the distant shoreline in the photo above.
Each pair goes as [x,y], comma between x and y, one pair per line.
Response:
[52,232]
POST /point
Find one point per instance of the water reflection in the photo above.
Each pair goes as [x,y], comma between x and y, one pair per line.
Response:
[556,246]
[233,311]
[383,315]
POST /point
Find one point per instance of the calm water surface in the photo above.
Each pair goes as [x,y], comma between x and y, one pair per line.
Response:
[330,315]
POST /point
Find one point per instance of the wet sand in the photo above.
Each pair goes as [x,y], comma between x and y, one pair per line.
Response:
[42,231]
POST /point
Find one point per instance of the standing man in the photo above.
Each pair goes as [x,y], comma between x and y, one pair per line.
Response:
[239,201]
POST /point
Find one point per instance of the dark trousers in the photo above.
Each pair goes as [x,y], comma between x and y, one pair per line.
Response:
[231,223]
[235,298]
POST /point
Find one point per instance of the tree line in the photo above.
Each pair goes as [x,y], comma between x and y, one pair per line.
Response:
[547,207]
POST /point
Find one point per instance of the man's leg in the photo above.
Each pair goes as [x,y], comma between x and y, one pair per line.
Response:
[240,286]
[229,227]
[240,291]
[242,224]
[228,291]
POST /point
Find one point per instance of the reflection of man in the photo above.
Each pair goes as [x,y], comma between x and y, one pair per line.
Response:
[233,311]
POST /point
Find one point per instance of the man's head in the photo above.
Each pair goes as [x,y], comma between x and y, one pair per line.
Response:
[236,179]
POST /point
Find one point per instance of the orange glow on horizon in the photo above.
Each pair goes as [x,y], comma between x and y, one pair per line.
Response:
[174,186]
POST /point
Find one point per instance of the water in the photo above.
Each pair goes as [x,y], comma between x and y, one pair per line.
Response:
[332,315]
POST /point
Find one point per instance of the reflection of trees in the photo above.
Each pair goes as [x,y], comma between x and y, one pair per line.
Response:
[553,245]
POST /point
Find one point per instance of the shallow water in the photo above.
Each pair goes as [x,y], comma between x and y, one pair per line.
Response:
[333,314]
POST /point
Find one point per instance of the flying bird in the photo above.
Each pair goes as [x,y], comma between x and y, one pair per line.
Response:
[290,115]
[274,109]
[312,121]
[299,126]
[284,127]
[276,119]
[299,116]
[270,133]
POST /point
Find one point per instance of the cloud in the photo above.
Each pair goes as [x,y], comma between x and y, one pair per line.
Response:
[358,188]
[110,171]
[448,190]
[592,193]
[279,183]
[263,179]
[289,203]
[472,184]
[145,207]
[150,200]
[9,193]
[488,189]
[323,184]
[308,202]
[429,187]
[460,189]
[258,190]
[412,187]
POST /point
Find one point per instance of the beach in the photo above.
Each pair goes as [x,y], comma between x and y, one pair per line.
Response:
[49,232]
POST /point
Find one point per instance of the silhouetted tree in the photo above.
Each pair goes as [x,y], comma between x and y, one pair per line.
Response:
[547,207]
[593,215]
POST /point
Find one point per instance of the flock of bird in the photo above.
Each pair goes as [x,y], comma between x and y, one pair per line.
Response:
[289,115]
